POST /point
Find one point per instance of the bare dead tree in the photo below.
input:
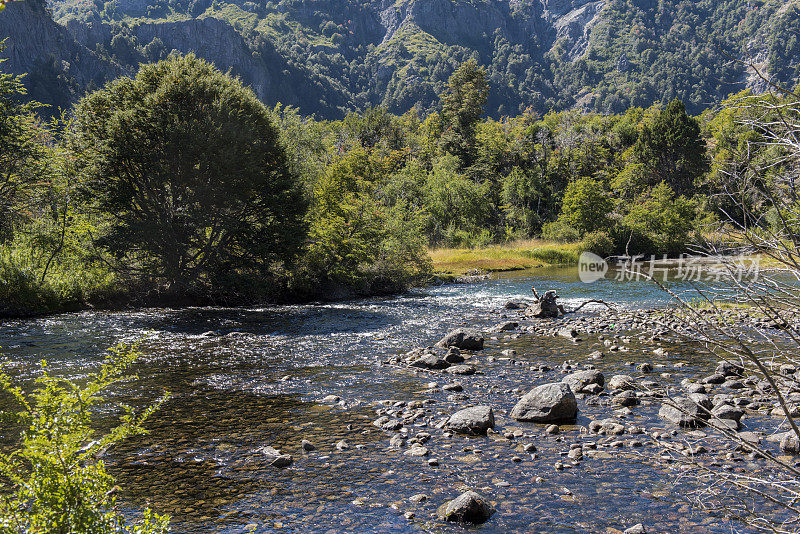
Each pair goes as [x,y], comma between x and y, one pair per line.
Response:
[760,334]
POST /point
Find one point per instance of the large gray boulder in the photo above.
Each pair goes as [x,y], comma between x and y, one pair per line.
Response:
[474,420]
[581,381]
[684,412]
[548,403]
[462,339]
[429,361]
[469,507]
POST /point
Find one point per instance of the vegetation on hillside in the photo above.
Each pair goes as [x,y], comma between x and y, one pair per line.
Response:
[338,56]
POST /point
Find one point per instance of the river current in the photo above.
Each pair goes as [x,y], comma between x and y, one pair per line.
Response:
[241,379]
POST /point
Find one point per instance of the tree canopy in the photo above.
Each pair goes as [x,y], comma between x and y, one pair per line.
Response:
[185,165]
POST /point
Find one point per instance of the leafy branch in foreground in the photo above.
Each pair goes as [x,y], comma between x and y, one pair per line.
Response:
[54,482]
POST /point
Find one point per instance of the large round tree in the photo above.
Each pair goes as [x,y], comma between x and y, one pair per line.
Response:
[185,167]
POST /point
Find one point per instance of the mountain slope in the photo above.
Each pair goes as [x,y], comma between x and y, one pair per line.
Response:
[332,56]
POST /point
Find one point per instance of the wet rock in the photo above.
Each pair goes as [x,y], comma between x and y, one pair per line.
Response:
[621,382]
[453,357]
[507,326]
[626,398]
[398,441]
[552,429]
[473,420]
[789,443]
[548,403]
[392,425]
[635,529]
[580,380]
[607,427]
[469,507]
[283,460]
[726,411]
[419,497]
[726,368]
[515,305]
[330,399]
[462,339]
[342,445]
[685,412]
[417,450]
[461,370]
[645,368]
[429,361]
[569,333]
[455,386]
[716,378]
[307,445]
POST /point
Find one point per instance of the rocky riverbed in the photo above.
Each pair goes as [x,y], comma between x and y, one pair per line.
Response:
[555,425]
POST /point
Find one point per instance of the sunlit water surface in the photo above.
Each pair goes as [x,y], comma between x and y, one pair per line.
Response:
[257,381]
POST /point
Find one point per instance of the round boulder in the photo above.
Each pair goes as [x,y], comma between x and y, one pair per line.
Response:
[548,403]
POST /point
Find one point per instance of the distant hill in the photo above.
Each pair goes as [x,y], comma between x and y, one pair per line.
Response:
[332,56]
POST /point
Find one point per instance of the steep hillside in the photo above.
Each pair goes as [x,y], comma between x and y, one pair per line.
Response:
[332,56]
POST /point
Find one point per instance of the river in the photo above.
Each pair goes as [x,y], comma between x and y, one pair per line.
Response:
[244,378]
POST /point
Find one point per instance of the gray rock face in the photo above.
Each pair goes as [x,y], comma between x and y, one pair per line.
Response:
[469,507]
[474,420]
[429,361]
[462,339]
[685,413]
[579,381]
[548,403]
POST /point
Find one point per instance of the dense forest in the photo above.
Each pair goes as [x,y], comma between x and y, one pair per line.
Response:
[180,184]
[332,57]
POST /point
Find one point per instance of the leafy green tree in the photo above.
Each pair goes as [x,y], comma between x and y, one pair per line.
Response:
[672,150]
[462,106]
[54,483]
[586,206]
[21,153]
[664,221]
[186,165]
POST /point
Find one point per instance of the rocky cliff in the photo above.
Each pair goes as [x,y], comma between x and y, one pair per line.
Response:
[331,56]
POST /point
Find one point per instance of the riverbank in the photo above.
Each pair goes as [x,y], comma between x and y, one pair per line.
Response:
[515,256]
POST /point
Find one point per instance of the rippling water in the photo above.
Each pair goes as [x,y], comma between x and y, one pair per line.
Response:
[245,378]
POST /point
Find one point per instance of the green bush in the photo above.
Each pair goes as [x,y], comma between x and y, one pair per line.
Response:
[53,482]
[560,231]
[599,243]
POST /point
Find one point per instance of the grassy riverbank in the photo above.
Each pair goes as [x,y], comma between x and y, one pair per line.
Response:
[525,254]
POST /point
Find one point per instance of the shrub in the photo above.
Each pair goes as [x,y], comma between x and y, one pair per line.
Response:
[54,482]
[560,231]
[599,243]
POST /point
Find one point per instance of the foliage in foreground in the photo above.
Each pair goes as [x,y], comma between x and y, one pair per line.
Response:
[55,482]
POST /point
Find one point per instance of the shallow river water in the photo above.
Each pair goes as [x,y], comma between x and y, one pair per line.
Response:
[244,378]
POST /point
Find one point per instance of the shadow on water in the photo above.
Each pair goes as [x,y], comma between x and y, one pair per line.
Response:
[258,380]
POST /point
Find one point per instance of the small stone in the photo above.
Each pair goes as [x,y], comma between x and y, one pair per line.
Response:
[419,497]
[307,445]
[635,529]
